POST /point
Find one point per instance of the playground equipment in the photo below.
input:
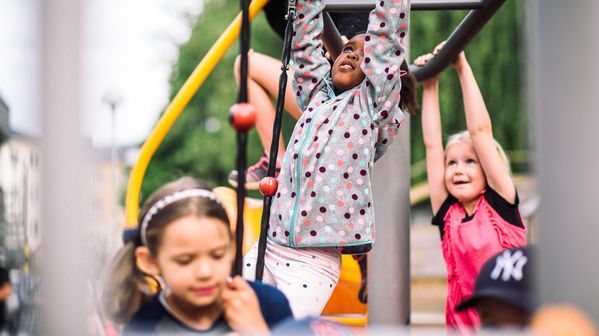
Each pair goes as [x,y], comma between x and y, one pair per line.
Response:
[481,12]
[345,297]
[174,109]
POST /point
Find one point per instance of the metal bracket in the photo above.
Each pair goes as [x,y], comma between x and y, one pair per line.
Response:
[290,10]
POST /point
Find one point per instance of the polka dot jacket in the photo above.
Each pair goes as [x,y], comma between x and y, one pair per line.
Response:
[325,196]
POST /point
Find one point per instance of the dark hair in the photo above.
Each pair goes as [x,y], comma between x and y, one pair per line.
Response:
[126,287]
[351,24]
[348,24]
[409,102]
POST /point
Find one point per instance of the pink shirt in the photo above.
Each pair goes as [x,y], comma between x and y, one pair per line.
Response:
[468,241]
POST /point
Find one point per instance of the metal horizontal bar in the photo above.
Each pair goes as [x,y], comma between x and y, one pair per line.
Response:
[330,37]
[474,21]
[458,40]
[421,5]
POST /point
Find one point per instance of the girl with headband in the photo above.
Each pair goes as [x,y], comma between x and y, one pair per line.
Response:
[184,247]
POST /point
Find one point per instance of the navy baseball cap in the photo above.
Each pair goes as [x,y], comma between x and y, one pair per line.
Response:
[508,276]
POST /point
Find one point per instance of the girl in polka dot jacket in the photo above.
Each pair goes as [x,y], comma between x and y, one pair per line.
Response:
[351,115]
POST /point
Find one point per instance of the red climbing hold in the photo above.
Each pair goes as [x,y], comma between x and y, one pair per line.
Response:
[242,116]
[268,186]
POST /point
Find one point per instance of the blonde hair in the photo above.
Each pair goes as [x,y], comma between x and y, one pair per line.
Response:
[464,136]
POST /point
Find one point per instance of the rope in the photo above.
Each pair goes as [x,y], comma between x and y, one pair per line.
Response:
[276,130]
[242,136]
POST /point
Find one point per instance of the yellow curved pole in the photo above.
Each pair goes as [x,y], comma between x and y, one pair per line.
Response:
[174,109]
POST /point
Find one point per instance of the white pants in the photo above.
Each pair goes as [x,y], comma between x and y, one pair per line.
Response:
[307,276]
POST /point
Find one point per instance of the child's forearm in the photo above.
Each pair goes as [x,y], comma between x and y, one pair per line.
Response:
[310,66]
[431,119]
[308,26]
[479,126]
[433,142]
[477,116]
[384,53]
[387,29]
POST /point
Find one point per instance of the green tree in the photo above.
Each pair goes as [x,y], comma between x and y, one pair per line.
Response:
[189,149]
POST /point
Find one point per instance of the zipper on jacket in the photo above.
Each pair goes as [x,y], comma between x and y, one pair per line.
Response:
[298,174]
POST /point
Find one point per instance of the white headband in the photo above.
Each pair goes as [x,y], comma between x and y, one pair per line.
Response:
[170,199]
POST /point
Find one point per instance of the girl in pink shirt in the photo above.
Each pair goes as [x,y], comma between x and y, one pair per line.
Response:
[472,193]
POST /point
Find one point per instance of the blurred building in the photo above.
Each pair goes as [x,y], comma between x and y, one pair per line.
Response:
[20,172]
[20,195]
[109,183]
[20,180]
[4,126]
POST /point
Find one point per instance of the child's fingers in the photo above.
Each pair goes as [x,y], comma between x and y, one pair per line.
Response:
[227,295]
[232,299]
[239,288]
[423,59]
[439,47]
[238,283]
[237,295]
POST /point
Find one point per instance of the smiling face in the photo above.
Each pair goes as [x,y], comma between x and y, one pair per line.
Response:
[194,258]
[464,177]
[346,71]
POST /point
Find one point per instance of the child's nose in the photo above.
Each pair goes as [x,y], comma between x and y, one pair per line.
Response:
[353,56]
[203,269]
[458,169]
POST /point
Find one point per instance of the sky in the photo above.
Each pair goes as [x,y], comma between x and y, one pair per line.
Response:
[127,52]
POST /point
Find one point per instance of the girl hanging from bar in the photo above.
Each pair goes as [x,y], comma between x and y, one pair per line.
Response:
[324,204]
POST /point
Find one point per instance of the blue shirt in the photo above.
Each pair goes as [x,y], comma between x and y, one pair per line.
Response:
[155,319]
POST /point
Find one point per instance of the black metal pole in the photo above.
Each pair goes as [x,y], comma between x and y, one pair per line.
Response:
[274,147]
[417,5]
[242,137]
[331,38]
[458,40]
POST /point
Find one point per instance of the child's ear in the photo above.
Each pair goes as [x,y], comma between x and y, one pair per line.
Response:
[146,261]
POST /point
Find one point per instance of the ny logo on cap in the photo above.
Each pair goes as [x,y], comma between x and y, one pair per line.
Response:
[509,265]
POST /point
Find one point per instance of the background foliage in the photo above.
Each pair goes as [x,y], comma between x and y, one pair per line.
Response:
[497,56]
